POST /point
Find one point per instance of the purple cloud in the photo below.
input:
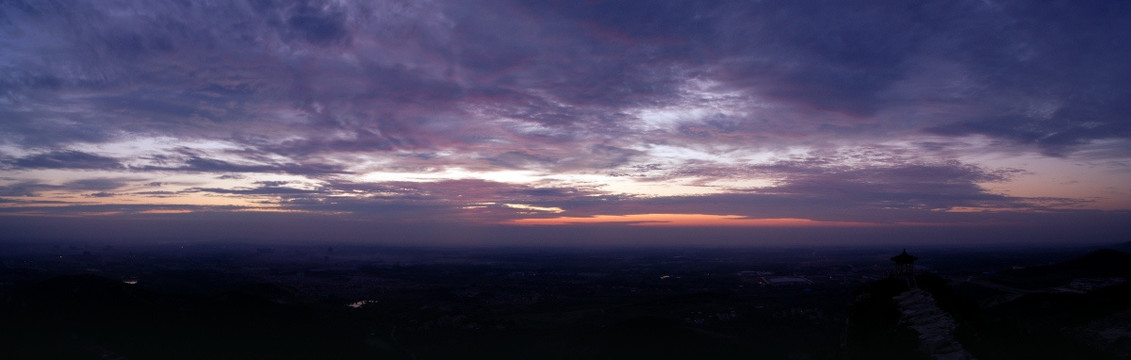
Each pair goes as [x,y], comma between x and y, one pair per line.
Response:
[66,160]
[446,112]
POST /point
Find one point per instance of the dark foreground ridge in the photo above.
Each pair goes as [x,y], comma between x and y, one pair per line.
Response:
[1080,309]
[266,303]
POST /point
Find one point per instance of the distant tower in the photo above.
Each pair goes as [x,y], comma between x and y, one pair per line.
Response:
[905,268]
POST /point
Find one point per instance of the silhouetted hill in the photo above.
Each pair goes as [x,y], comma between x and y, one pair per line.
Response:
[1079,308]
[1103,262]
[1124,247]
[1072,309]
[1057,326]
[1097,264]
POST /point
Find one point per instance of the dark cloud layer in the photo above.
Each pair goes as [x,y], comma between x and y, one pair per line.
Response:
[67,160]
[198,164]
[385,71]
[487,111]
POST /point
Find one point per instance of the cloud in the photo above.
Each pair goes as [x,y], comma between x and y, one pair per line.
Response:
[820,189]
[98,184]
[67,160]
[520,160]
[851,111]
[1058,135]
[318,23]
[402,75]
[33,188]
[266,190]
[684,220]
[206,165]
[26,188]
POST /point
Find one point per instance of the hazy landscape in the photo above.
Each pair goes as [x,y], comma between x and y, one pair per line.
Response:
[254,301]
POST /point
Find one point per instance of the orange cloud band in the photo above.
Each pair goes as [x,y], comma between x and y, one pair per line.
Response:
[684,220]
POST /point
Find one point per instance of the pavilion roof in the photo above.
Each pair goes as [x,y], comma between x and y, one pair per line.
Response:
[904,258]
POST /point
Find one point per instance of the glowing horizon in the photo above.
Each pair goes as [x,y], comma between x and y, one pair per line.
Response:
[685,220]
[625,114]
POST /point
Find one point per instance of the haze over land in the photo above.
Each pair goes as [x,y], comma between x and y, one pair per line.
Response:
[542,123]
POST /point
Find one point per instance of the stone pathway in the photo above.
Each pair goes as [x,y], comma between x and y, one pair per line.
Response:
[935,327]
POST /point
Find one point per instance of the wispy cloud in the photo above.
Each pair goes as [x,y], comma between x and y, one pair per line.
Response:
[66,160]
[447,111]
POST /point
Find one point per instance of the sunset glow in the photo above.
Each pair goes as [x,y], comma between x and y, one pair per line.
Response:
[683,220]
[458,115]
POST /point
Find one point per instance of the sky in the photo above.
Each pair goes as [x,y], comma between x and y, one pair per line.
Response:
[539,122]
